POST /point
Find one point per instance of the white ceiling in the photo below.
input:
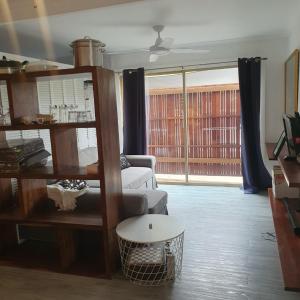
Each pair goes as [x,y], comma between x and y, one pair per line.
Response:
[128,26]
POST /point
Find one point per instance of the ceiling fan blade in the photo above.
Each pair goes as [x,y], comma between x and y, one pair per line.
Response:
[153,57]
[126,51]
[189,50]
[166,43]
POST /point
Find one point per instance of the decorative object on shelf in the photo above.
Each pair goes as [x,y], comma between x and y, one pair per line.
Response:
[79,116]
[24,120]
[11,66]
[5,119]
[44,119]
[4,116]
[41,65]
[88,98]
[64,193]
[87,52]
[73,184]
[22,153]
[36,119]
[279,145]
[291,83]
[151,249]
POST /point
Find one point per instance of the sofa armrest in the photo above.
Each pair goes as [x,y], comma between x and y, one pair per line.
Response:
[147,161]
[134,203]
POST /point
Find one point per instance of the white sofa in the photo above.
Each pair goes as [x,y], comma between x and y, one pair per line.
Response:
[140,195]
[140,176]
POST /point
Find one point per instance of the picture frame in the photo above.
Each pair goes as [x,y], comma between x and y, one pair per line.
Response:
[291,72]
[279,145]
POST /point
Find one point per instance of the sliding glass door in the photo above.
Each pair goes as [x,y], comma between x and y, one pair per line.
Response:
[166,130]
[213,126]
[194,125]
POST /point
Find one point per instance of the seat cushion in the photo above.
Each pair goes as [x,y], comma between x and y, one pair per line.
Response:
[157,201]
[134,177]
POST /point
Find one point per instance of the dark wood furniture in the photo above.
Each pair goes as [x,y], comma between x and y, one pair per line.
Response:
[288,242]
[270,148]
[290,168]
[85,241]
[288,245]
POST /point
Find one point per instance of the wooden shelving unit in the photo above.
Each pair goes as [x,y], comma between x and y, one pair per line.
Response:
[68,252]
[48,126]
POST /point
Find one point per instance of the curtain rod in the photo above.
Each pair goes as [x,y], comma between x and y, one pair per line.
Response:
[204,64]
[196,65]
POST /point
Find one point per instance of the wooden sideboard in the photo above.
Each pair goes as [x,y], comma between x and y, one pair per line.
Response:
[288,242]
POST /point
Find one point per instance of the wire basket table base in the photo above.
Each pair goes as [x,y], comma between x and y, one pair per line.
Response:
[152,264]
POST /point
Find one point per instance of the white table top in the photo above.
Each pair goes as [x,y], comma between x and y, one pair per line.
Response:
[138,229]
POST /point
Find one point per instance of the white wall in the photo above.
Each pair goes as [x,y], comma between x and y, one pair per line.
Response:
[274,48]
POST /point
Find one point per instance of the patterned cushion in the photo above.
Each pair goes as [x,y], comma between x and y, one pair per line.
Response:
[124,163]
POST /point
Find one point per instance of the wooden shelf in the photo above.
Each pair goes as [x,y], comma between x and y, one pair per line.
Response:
[73,219]
[52,73]
[68,219]
[33,255]
[288,245]
[12,215]
[45,256]
[91,124]
[49,173]
[291,171]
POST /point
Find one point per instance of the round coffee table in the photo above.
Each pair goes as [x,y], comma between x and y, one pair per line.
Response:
[151,248]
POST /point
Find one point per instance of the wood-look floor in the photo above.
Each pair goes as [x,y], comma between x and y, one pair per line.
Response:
[228,255]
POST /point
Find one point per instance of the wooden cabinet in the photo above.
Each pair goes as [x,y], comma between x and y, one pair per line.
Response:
[67,251]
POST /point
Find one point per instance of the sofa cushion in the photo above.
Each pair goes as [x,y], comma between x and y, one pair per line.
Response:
[124,163]
[144,201]
[157,201]
[134,202]
[134,177]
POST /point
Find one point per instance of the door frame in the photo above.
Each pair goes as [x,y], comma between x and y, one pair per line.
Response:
[183,73]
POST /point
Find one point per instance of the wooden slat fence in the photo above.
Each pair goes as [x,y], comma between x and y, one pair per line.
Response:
[214,136]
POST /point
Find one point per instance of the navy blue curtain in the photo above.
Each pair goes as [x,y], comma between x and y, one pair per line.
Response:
[255,174]
[134,112]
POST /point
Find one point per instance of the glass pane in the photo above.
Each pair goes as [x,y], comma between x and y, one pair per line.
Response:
[165,119]
[68,99]
[214,134]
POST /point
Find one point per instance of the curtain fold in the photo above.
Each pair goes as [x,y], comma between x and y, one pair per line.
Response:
[134,112]
[255,174]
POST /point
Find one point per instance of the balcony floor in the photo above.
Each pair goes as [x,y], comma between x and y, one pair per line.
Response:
[200,179]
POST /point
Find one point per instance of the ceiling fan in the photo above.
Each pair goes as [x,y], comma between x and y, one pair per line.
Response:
[162,46]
